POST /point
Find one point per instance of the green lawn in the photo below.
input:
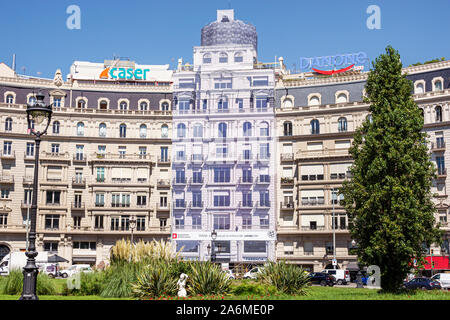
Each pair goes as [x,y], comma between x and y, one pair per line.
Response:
[314,293]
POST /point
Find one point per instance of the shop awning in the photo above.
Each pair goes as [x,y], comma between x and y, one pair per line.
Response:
[440,263]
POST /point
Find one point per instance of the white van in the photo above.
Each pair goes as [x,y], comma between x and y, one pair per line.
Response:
[75,269]
[253,273]
[341,276]
[443,278]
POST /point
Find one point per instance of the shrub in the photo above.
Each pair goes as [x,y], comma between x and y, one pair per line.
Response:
[155,280]
[13,284]
[118,279]
[207,278]
[287,278]
[124,250]
[91,283]
[248,289]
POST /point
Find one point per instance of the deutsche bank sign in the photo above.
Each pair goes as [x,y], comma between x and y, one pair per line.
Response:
[334,61]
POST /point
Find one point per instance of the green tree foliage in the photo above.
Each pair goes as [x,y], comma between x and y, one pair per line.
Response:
[388,198]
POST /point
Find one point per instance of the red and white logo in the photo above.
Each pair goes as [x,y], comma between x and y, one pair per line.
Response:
[174,235]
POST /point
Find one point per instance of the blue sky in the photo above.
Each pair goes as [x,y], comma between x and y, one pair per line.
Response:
[160,32]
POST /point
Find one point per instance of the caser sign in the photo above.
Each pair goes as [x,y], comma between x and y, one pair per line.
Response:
[347,61]
[124,73]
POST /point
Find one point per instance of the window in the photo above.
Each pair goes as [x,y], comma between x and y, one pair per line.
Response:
[222,130]
[180,176]
[102,130]
[342,124]
[222,105]
[187,246]
[115,223]
[103,105]
[314,101]
[438,111]
[81,104]
[56,127]
[55,148]
[80,129]
[255,246]
[85,245]
[247,129]
[120,200]
[223,57]
[100,174]
[123,130]
[238,57]
[143,106]
[143,131]
[419,88]
[440,163]
[3,220]
[165,106]
[30,149]
[264,198]
[438,85]
[123,105]
[222,174]
[261,103]
[186,83]
[53,197]
[240,104]
[197,176]
[264,222]
[51,221]
[164,154]
[10,98]
[223,83]
[164,131]
[51,246]
[247,174]
[341,98]
[125,223]
[264,152]
[57,102]
[260,81]
[287,103]
[222,222]
[207,58]
[196,221]
[141,200]
[197,199]
[32,100]
[7,148]
[221,199]
[8,124]
[5,193]
[179,222]
[184,106]
[140,223]
[264,129]
[181,130]
[315,126]
[198,130]
[77,221]
[246,221]
[99,199]
[287,128]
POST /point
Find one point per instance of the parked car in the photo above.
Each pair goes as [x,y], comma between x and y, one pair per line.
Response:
[322,278]
[253,273]
[51,269]
[341,276]
[75,269]
[230,274]
[443,278]
[422,283]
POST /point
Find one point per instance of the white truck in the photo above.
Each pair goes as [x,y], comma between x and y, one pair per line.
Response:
[18,260]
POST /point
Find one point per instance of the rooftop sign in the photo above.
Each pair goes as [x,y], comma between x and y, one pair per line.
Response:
[338,63]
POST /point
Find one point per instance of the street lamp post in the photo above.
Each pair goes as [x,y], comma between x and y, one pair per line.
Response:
[132,227]
[334,227]
[359,283]
[213,246]
[37,112]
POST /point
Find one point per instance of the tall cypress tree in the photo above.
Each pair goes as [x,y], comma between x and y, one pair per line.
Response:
[388,200]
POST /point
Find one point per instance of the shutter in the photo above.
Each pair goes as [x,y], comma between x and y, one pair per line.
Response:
[339,167]
[307,218]
[312,193]
[311,169]
[288,246]
[342,144]
[126,173]
[142,173]
[116,173]
[287,173]
[54,173]
[314,146]
[287,148]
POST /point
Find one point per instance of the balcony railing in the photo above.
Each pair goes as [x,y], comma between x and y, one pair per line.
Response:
[246,180]
[322,153]
[28,180]
[179,181]
[7,179]
[313,202]
[442,172]
[246,204]
[287,205]
[79,157]
[198,181]
[163,160]
[161,207]
[121,156]
[180,205]
[438,146]
[163,183]
[287,157]
[197,158]
[287,181]
[78,181]
[25,204]
[311,228]
[263,204]
[55,156]
[78,206]
[8,155]
[263,179]
[196,204]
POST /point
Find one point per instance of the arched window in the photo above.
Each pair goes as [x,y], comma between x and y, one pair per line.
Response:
[123,105]
[207,58]
[81,104]
[198,131]
[123,130]
[102,130]
[287,103]
[181,130]
[103,105]
[80,129]
[342,124]
[314,101]
[143,131]
[222,105]
[341,98]
[264,129]
[8,124]
[56,127]
[287,128]
[247,129]
[438,85]
[222,130]
[9,98]
[223,58]
[143,106]
[315,126]
[165,106]
[164,131]
[438,111]
[419,88]
[238,57]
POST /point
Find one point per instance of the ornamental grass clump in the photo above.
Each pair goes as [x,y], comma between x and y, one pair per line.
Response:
[155,280]
[207,278]
[287,278]
[124,250]
[13,284]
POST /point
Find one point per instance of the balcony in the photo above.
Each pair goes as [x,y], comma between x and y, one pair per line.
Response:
[442,173]
[179,181]
[313,228]
[313,202]
[287,157]
[246,205]
[11,155]
[312,177]
[78,206]
[55,156]
[163,183]
[263,158]
[287,206]
[6,179]
[196,205]
[196,182]
[28,180]
[197,158]
[79,158]
[265,179]
[287,181]
[245,158]
[120,157]
[25,205]
[263,205]
[163,160]
[438,146]
[164,208]
[323,153]
[180,205]
[78,182]
[246,180]
[179,158]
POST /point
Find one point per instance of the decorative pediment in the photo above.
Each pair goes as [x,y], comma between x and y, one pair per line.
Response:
[57,93]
